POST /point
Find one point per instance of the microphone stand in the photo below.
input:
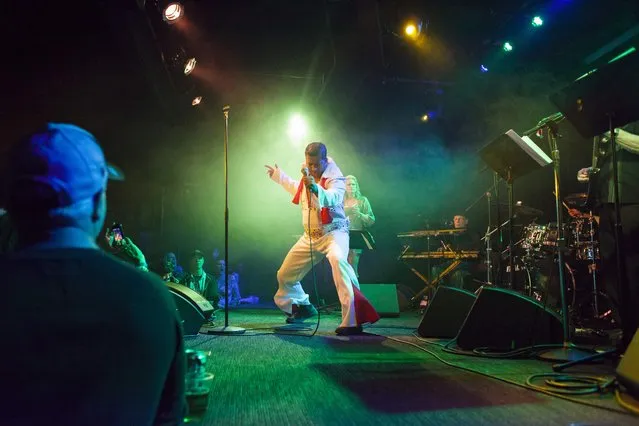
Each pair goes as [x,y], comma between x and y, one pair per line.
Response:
[567,352]
[489,250]
[226,330]
[511,224]
[488,195]
[500,236]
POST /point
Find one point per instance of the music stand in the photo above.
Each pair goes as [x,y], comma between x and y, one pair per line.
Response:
[511,157]
[594,105]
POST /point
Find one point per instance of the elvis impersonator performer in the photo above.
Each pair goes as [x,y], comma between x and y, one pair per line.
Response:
[321,190]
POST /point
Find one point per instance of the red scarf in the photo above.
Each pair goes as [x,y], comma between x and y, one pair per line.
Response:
[324,212]
[365,313]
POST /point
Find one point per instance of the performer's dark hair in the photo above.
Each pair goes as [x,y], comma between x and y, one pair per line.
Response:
[316,148]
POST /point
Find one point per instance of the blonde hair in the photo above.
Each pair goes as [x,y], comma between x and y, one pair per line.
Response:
[357,194]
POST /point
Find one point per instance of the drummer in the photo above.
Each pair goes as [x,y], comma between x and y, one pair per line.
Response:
[575,204]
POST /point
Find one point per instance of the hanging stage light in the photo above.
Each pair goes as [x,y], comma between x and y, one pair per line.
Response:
[189,66]
[413,29]
[537,21]
[172,12]
[196,101]
[507,47]
[178,60]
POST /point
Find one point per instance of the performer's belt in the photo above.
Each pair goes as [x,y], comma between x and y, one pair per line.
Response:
[316,233]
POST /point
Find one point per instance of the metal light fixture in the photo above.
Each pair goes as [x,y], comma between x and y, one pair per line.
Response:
[172,12]
[189,66]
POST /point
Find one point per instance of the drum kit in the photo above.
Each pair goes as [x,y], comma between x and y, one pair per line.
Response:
[536,269]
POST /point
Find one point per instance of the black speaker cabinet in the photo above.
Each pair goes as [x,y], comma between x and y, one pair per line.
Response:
[445,314]
[383,297]
[628,368]
[193,308]
[503,320]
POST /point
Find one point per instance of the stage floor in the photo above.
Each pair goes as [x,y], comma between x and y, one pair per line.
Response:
[277,375]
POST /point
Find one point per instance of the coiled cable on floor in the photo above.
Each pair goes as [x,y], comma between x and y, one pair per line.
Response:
[571,384]
[595,383]
[632,407]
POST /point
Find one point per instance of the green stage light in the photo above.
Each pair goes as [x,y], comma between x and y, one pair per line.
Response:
[508,47]
[537,21]
[297,128]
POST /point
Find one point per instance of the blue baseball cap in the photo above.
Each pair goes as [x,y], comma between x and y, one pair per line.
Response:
[58,166]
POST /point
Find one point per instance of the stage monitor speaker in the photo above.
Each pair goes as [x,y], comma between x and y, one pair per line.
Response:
[383,297]
[446,312]
[193,308]
[503,320]
[628,368]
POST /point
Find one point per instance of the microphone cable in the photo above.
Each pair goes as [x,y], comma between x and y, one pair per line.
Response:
[310,250]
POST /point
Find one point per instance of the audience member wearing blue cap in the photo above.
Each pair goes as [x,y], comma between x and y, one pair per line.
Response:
[89,339]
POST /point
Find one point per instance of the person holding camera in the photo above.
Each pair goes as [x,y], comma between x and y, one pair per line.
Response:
[124,248]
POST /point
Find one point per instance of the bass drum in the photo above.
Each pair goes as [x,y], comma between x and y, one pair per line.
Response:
[584,307]
[546,284]
[523,282]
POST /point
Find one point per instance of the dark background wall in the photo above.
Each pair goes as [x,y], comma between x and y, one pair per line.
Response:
[106,66]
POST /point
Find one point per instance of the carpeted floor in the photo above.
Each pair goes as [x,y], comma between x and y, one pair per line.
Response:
[274,375]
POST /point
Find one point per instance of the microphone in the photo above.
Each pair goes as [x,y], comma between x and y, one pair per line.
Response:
[305,172]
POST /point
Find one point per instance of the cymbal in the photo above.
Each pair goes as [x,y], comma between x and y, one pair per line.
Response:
[576,200]
[521,209]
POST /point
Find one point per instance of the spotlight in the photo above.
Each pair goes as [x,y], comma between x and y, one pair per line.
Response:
[507,47]
[189,66]
[297,127]
[172,12]
[425,118]
[413,29]
[484,69]
[196,101]
[537,21]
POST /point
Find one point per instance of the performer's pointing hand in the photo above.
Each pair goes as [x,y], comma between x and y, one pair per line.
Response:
[270,170]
